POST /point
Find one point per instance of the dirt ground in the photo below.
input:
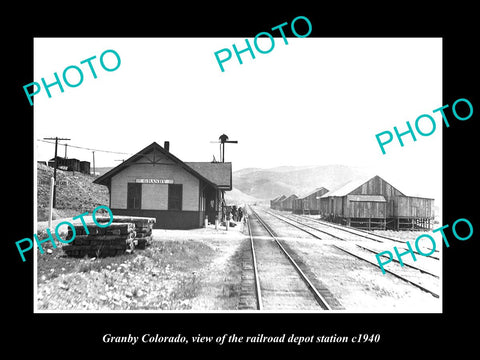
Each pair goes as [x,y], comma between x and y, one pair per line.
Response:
[201,270]
[196,270]
[357,285]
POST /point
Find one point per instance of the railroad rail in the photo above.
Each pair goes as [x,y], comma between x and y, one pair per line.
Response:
[359,232]
[355,231]
[258,292]
[405,278]
[319,298]
[411,282]
[374,237]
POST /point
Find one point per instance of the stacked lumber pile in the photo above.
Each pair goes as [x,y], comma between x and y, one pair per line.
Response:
[122,236]
[142,227]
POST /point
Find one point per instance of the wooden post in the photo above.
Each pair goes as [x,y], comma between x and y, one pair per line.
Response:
[56,138]
[50,211]
[55,175]
[93,155]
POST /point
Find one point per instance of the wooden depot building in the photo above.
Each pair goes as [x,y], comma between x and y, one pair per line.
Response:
[155,183]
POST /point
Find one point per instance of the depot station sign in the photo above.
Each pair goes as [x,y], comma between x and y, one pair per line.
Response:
[154,181]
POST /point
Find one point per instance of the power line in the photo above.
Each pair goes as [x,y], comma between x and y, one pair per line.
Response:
[81,147]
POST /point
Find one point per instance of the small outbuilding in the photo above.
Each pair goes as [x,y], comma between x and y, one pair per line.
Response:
[275,203]
[85,167]
[287,203]
[70,164]
[309,203]
[66,164]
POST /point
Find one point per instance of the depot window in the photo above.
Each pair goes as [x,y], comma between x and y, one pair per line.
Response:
[175,192]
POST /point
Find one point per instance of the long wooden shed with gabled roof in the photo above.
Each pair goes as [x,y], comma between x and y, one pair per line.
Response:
[287,203]
[309,203]
[373,203]
[275,203]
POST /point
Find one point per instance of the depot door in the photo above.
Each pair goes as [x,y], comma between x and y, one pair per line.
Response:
[211,204]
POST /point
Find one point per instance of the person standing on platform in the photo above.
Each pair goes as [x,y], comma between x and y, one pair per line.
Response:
[234,212]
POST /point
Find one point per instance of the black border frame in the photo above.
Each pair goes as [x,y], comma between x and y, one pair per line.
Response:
[81,334]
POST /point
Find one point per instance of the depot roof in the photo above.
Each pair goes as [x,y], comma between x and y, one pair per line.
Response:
[218,175]
[217,172]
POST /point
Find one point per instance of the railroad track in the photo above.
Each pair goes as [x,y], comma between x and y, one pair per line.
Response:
[335,231]
[359,232]
[279,281]
[411,274]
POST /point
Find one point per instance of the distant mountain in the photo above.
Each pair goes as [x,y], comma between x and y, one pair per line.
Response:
[286,180]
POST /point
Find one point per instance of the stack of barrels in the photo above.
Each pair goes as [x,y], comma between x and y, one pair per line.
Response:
[123,235]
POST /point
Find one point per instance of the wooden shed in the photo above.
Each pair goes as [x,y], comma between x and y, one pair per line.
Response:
[410,212]
[275,203]
[298,206]
[309,203]
[66,164]
[85,167]
[287,203]
[373,203]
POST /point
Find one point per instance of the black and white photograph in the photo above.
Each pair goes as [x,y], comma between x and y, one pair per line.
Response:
[227,195]
[277,185]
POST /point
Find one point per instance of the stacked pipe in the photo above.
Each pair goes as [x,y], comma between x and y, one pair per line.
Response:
[123,235]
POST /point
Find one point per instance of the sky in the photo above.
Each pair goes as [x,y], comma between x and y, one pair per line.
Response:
[315,101]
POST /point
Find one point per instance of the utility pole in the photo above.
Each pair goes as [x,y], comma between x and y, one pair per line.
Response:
[93,153]
[55,169]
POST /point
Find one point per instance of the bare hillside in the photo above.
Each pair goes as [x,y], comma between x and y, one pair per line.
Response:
[76,193]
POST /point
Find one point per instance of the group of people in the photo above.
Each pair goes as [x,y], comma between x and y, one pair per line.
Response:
[236,213]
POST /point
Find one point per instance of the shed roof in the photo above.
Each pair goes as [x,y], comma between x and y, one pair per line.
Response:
[63,158]
[352,185]
[348,187]
[205,173]
[313,192]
